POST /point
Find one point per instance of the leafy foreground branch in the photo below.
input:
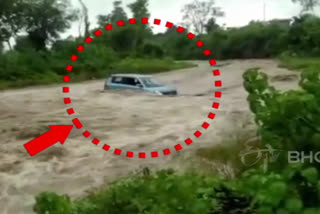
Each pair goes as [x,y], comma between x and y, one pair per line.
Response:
[288,121]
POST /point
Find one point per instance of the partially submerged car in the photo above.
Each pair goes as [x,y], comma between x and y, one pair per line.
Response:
[138,82]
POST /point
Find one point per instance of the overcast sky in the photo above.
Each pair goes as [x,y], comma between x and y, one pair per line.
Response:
[238,12]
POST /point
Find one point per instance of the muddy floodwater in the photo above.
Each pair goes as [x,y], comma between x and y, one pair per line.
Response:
[129,121]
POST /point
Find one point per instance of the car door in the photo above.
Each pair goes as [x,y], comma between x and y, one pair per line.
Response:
[115,82]
[132,83]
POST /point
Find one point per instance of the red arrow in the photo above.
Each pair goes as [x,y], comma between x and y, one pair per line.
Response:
[57,133]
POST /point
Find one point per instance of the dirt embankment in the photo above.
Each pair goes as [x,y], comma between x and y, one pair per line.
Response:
[132,122]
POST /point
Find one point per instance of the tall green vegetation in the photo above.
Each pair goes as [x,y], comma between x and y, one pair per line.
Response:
[45,19]
[296,37]
[11,15]
[42,20]
[256,40]
[288,121]
[304,35]
[39,56]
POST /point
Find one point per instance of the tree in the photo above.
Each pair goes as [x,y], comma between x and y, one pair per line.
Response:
[307,5]
[45,19]
[139,9]
[11,17]
[153,50]
[85,18]
[23,43]
[103,20]
[211,25]
[116,14]
[1,48]
[198,13]
[304,35]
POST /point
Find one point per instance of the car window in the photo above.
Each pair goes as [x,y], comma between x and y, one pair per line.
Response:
[116,80]
[126,81]
[137,82]
[150,83]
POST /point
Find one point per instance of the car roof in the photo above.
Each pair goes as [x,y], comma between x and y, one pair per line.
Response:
[130,75]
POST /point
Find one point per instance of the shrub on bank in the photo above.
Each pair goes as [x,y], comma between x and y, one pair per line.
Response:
[20,69]
[163,192]
[300,64]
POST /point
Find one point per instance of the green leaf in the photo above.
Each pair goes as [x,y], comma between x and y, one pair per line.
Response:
[294,205]
[282,211]
[311,211]
[265,210]
[311,174]
[277,190]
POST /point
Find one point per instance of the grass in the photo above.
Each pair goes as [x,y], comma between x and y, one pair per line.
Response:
[149,66]
[300,63]
[129,65]
[225,157]
[39,79]
[228,154]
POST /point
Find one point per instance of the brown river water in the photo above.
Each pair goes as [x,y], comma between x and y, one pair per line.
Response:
[129,121]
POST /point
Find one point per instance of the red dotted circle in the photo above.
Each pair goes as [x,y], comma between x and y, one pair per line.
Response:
[142,155]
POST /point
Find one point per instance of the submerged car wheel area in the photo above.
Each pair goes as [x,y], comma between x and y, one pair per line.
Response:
[139,82]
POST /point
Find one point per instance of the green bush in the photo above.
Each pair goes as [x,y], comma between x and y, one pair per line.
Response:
[19,66]
[286,120]
[51,203]
[256,40]
[153,51]
[19,69]
[299,37]
[163,192]
[289,121]
[304,35]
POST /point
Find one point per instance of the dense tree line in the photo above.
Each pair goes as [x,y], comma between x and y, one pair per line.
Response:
[39,55]
[38,52]
[299,36]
